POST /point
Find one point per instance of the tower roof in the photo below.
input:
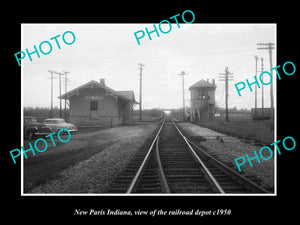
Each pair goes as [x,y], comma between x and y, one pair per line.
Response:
[202,83]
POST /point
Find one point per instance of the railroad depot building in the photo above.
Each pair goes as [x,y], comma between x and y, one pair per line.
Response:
[95,104]
[203,100]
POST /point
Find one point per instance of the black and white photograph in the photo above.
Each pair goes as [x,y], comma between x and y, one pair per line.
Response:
[167,119]
[160,118]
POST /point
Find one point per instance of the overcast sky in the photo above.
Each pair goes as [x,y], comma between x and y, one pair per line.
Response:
[110,51]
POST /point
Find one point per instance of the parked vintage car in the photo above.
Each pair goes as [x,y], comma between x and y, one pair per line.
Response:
[55,124]
[32,128]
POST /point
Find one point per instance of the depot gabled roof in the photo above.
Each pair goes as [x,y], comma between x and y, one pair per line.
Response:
[125,95]
[128,94]
[202,83]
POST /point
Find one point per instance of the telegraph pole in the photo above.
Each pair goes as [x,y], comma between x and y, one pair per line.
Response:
[66,80]
[255,112]
[51,77]
[269,46]
[141,75]
[262,89]
[226,78]
[183,98]
[60,109]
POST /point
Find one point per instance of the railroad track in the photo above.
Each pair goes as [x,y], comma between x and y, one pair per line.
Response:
[174,164]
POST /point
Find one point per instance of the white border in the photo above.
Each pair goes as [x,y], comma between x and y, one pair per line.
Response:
[275,113]
[22,115]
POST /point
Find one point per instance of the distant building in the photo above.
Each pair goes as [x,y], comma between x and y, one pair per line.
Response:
[95,104]
[203,100]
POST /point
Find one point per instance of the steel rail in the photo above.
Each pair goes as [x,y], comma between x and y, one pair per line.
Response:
[161,172]
[243,179]
[206,170]
[139,172]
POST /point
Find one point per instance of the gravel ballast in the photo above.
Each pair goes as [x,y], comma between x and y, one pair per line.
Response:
[95,174]
[119,145]
[232,148]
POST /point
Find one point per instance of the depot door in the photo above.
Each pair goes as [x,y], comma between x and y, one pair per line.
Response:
[93,108]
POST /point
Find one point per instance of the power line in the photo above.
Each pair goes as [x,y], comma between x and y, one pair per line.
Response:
[51,77]
[269,47]
[183,98]
[262,88]
[60,108]
[141,69]
[255,112]
[226,78]
[121,59]
[66,80]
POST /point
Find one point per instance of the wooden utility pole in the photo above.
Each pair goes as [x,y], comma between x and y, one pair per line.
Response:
[60,109]
[183,97]
[262,88]
[226,78]
[51,77]
[66,80]
[269,47]
[255,112]
[141,75]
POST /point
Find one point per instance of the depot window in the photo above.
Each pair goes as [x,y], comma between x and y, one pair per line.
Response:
[94,106]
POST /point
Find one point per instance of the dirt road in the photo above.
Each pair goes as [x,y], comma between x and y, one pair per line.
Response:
[86,163]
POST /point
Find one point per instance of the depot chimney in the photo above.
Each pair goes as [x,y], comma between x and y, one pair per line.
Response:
[102,82]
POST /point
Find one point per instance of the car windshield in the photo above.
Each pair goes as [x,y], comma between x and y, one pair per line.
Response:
[54,121]
[30,120]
